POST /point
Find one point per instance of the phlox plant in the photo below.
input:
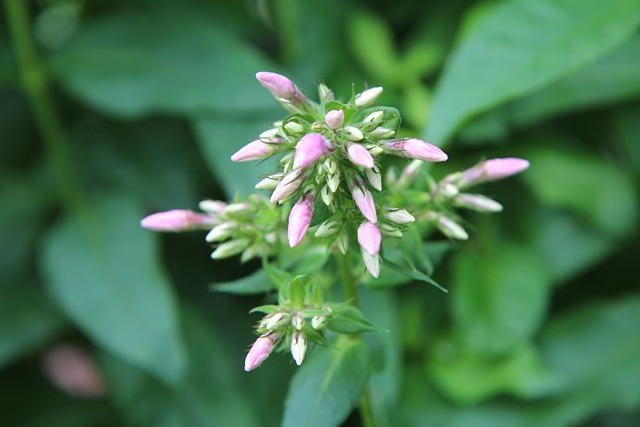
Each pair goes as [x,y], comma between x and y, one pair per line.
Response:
[332,195]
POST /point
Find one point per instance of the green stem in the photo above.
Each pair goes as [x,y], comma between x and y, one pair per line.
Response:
[347,278]
[351,293]
[366,412]
[35,84]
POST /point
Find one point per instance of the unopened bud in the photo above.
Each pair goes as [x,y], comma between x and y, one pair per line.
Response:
[269,134]
[236,207]
[399,216]
[230,248]
[297,322]
[288,186]
[278,85]
[255,150]
[374,178]
[298,347]
[375,150]
[221,232]
[212,206]
[330,165]
[260,350]
[352,133]
[369,238]
[374,118]
[325,93]
[364,200]
[448,226]
[382,133]
[270,182]
[294,128]
[326,195]
[448,190]
[413,148]
[310,149]
[390,230]
[371,262]
[343,243]
[491,170]
[334,119]
[318,322]
[359,155]
[177,220]
[334,181]
[299,220]
[368,97]
[252,252]
[477,202]
[276,321]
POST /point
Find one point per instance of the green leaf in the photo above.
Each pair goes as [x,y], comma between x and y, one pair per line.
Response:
[208,393]
[471,378]
[257,282]
[627,123]
[499,297]
[399,261]
[521,46]
[27,321]
[594,188]
[279,278]
[613,78]
[347,319]
[327,386]
[161,59]
[104,274]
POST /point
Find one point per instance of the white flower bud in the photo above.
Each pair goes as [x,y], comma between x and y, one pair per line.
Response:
[276,321]
[269,134]
[374,118]
[294,128]
[270,182]
[334,181]
[221,232]
[297,322]
[230,248]
[352,133]
[375,150]
[399,216]
[382,132]
[326,195]
[368,97]
[374,178]
[330,165]
[343,243]
[298,347]
[449,190]
[318,322]
[212,206]
[390,230]
[477,202]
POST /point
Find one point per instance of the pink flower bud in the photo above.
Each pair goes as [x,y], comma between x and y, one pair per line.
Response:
[310,149]
[369,238]
[260,350]
[255,150]
[334,119]
[413,148]
[299,220]
[360,156]
[177,220]
[277,84]
[364,201]
[289,185]
[491,170]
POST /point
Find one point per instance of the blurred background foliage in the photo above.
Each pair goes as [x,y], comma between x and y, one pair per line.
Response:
[134,107]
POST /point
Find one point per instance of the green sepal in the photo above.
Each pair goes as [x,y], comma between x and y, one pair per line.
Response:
[297,293]
[267,309]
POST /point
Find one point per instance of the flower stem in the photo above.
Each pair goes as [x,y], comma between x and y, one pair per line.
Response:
[351,294]
[35,84]
[347,278]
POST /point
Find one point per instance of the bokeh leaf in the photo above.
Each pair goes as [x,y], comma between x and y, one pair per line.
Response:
[327,386]
[108,281]
[208,393]
[499,297]
[523,45]
[161,59]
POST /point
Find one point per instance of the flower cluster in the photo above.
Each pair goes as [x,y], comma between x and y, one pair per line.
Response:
[331,151]
[329,185]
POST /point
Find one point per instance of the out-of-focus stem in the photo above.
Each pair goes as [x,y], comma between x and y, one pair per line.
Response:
[35,84]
